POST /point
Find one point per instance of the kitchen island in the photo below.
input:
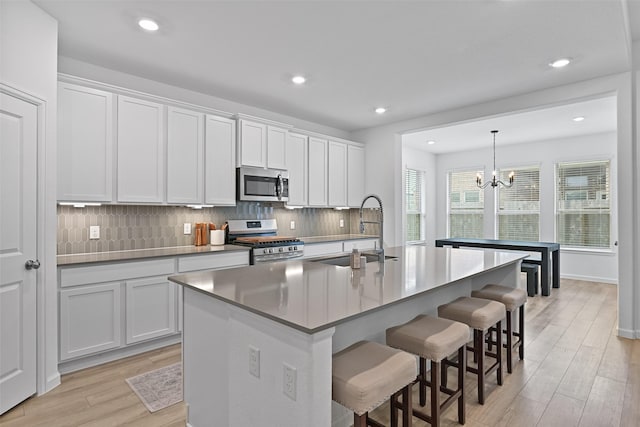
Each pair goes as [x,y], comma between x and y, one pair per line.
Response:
[258,340]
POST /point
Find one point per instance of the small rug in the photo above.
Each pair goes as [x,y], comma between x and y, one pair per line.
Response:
[159,388]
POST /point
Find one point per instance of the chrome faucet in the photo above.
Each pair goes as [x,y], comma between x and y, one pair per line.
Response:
[380,250]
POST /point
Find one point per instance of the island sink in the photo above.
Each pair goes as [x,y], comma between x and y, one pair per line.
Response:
[343,260]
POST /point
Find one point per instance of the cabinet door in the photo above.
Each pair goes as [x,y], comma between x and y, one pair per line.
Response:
[355,176]
[185,141]
[253,144]
[85,144]
[89,319]
[317,172]
[276,147]
[297,167]
[337,176]
[220,161]
[140,151]
[151,308]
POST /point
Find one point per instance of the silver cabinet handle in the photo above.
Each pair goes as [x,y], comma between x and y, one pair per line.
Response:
[32,264]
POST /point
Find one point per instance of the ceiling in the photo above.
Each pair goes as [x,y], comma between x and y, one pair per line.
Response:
[413,57]
[539,125]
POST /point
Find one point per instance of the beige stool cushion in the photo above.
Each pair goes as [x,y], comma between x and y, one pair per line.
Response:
[475,312]
[367,373]
[512,298]
[430,337]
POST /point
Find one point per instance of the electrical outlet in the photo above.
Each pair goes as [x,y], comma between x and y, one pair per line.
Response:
[187,228]
[254,361]
[341,222]
[292,225]
[94,232]
[289,374]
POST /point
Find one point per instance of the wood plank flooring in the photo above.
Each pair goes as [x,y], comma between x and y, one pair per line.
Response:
[576,372]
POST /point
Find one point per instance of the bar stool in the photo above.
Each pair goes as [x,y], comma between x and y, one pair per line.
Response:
[480,315]
[365,374]
[434,339]
[513,299]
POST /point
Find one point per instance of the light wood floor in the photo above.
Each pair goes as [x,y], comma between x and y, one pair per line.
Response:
[576,372]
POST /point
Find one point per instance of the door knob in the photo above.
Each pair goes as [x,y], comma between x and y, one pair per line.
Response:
[32,264]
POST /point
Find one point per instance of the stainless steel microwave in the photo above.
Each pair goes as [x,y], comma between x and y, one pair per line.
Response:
[266,185]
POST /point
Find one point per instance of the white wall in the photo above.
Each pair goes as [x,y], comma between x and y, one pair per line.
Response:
[426,162]
[601,266]
[384,168]
[104,75]
[28,62]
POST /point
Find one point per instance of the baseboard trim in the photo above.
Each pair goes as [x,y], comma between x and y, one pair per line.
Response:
[52,382]
[590,279]
[629,333]
[111,355]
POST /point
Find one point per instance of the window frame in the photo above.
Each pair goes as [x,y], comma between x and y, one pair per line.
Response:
[496,212]
[422,212]
[474,171]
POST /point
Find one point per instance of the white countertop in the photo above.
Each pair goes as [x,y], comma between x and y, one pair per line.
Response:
[312,296]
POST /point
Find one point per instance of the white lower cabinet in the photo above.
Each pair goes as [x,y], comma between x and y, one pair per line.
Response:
[90,319]
[151,308]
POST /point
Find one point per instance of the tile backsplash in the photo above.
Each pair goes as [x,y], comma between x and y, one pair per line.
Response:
[125,227]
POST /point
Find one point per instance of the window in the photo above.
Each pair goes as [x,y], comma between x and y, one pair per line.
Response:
[466,205]
[519,206]
[414,205]
[583,206]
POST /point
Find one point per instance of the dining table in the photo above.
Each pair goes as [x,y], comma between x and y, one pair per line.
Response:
[549,255]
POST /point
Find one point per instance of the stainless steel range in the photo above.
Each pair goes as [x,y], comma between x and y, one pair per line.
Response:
[261,235]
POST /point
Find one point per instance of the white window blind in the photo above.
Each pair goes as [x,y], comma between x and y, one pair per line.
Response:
[519,206]
[583,206]
[414,208]
[466,205]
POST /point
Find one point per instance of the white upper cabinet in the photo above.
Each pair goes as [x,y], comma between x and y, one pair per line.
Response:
[297,166]
[261,145]
[337,174]
[317,172]
[185,145]
[220,160]
[355,176]
[140,151]
[252,147]
[276,147]
[85,144]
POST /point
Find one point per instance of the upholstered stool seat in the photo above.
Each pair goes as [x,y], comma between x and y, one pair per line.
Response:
[513,299]
[365,374]
[434,339]
[480,315]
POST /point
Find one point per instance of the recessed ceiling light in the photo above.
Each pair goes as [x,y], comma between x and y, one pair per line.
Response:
[148,24]
[431,142]
[559,63]
[298,80]
[380,110]
[578,119]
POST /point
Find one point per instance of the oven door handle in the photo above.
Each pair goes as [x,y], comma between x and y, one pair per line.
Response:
[279,185]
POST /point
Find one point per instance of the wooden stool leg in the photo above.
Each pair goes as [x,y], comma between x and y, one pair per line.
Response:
[479,355]
[499,354]
[509,342]
[422,381]
[435,394]
[394,409]
[462,363]
[443,372]
[521,332]
[407,407]
[360,420]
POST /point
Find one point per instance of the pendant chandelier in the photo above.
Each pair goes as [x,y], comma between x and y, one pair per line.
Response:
[494,180]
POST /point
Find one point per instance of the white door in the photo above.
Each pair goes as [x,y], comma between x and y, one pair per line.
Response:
[18,185]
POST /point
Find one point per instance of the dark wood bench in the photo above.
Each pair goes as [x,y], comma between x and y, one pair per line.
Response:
[531,268]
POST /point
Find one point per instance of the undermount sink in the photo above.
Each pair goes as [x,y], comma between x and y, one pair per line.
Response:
[344,261]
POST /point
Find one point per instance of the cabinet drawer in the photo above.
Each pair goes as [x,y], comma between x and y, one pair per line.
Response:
[319,249]
[213,261]
[74,276]
[359,244]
